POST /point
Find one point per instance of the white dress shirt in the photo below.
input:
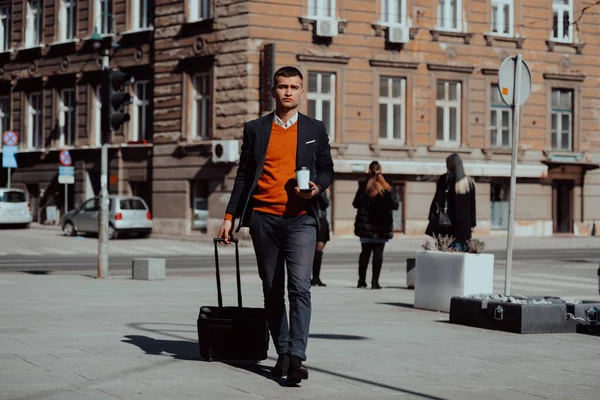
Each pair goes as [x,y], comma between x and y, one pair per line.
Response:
[289,123]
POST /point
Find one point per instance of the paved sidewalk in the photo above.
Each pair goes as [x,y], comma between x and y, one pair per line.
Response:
[68,337]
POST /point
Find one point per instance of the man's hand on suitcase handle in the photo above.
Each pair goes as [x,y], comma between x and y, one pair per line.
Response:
[225,232]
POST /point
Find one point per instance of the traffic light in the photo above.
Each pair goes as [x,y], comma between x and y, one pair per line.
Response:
[114,98]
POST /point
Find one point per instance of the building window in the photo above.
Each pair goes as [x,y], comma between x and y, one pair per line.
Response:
[449,14]
[103,16]
[563,15]
[562,119]
[199,9]
[5,27]
[4,114]
[66,118]
[392,108]
[321,9]
[34,121]
[393,12]
[321,99]
[199,191]
[141,104]
[202,106]
[140,14]
[448,112]
[502,17]
[499,193]
[67,18]
[500,120]
[33,24]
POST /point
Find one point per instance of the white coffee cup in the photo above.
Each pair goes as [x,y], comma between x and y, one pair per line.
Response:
[302,178]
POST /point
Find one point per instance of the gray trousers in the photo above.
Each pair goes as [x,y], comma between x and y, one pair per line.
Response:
[279,241]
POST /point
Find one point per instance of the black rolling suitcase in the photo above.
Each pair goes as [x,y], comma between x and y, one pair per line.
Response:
[232,333]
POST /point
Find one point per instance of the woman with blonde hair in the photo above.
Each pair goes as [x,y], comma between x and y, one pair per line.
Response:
[374,200]
[455,197]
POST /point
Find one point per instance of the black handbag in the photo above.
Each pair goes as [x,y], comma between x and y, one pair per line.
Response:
[443,220]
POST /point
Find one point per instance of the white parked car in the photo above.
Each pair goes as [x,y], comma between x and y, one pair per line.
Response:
[14,209]
[126,215]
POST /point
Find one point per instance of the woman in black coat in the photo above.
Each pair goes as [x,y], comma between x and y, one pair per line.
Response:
[458,190]
[375,200]
[322,239]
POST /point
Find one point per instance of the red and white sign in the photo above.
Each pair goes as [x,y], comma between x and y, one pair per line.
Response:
[10,138]
[65,158]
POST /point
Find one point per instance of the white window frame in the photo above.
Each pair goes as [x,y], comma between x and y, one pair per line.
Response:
[201,123]
[67,20]
[444,9]
[320,9]
[140,112]
[34,135]
[5,28]
[390,10]
[199,10]
[560,9]
[500,22]
[446,104]
[103,18]
[318,97]
[140,14]
[66,115]
[34,23]
[390,102]
[4,115]
[560,113]
[497,109]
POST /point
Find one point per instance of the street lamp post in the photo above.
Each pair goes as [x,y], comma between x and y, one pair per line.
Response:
[97,41]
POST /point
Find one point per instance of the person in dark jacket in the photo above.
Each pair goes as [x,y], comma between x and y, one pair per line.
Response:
[322,239]
[457,190]
[375,200]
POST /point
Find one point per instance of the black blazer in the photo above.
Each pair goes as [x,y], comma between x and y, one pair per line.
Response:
[313,152]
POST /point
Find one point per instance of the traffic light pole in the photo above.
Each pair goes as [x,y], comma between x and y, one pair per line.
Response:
[103,221]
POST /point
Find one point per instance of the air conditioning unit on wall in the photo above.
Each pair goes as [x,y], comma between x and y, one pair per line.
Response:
[225,151]
[326,27]
[398,34]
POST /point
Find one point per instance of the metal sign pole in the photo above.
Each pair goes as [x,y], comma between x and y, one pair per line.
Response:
[66,198]
[104,202]
[513,168]
[8,183]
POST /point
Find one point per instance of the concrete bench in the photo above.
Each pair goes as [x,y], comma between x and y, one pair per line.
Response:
[148,269]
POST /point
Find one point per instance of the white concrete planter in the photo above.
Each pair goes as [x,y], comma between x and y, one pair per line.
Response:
[441,275]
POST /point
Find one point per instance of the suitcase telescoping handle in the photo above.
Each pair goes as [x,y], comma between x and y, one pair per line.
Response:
[237,271]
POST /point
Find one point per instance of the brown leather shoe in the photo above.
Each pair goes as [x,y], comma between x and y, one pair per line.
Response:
[296,372]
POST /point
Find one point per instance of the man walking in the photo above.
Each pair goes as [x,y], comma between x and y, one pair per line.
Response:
[283,220]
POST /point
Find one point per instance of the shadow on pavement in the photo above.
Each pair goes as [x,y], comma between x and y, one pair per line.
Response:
[405,305]
[331,336]
[178,349]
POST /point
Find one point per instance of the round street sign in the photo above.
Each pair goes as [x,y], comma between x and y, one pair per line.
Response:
[10,138]
[506,81]
[65,158]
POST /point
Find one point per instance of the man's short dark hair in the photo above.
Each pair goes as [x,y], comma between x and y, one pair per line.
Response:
[287,72]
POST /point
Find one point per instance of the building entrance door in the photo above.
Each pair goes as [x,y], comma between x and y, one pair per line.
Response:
[563,205]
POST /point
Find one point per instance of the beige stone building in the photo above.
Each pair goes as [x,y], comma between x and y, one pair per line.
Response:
[404,82]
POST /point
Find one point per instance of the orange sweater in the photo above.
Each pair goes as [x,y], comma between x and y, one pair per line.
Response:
[275,191]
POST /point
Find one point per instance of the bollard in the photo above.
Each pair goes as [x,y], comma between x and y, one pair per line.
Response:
[148,269]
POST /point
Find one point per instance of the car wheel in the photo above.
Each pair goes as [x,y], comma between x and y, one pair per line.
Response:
[112,232]
[69,229]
